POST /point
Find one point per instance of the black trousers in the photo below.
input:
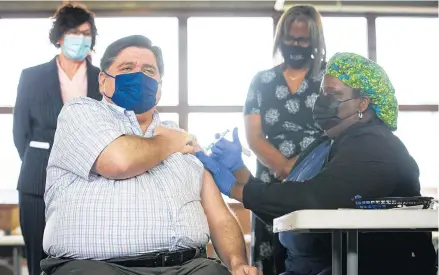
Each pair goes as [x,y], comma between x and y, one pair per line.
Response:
[32,221]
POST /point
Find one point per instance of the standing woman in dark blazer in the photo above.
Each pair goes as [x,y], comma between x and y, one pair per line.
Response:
[42,91]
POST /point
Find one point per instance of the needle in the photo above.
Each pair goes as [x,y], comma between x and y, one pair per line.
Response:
[245,151]
[216,140]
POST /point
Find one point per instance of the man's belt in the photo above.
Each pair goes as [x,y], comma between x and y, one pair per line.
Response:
[161,259]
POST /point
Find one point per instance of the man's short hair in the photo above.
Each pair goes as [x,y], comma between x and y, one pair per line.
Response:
[121,44]
[69,17]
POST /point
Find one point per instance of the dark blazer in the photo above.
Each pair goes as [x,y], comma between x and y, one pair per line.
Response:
[36,113]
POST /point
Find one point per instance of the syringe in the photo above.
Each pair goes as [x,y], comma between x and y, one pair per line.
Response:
[245,151]
[216,140]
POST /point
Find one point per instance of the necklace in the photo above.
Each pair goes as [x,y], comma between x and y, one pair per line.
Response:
[294,78]
[297,77]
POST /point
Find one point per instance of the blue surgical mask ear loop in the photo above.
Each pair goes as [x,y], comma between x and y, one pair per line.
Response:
[104,84]
[109,75]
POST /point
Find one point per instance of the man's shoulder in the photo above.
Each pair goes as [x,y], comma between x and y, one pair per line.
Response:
[171,125]
[83,105]
[186,157]
[84,101]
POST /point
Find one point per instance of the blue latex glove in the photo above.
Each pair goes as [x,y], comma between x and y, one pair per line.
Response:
[224,179]
[229,153]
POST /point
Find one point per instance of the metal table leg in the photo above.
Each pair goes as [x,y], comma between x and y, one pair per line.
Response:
[337,260]
[352,252]
[16,260]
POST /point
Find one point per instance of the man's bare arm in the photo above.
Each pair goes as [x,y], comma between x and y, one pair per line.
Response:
[130,156]
[225,232]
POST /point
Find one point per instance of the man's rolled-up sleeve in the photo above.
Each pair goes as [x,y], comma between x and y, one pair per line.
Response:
[85,128]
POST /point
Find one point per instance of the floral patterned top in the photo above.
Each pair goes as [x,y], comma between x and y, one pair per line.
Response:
[286,118]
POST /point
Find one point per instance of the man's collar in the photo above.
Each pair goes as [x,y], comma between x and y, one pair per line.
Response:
[114,106]
[155,114]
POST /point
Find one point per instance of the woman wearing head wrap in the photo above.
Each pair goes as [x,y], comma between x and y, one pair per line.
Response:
[358,110]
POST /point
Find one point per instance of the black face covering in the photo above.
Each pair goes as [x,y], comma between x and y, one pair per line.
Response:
[295,56]
[325,111]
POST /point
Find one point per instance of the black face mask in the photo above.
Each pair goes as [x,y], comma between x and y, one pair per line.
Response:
[325,111]
[295,56]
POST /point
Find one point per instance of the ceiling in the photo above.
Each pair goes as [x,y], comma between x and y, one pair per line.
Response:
[39,8]
[352,6]
[9,8]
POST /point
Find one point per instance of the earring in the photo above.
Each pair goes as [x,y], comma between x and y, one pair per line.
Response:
[360,115]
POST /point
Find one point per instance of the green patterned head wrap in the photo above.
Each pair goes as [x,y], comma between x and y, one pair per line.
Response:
[362,73]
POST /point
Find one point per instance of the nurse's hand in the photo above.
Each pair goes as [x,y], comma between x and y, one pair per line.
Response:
[229,153]
[223,178]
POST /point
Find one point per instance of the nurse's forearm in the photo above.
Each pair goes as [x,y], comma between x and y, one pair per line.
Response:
[237,192]
[242,175]
[277,199]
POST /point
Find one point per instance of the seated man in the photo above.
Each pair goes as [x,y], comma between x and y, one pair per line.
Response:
[122,194]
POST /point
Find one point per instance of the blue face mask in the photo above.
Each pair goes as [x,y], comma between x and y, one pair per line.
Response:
[76,47]
[135,92]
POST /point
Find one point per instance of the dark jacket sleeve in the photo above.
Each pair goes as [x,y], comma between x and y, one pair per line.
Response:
[21,117]
[359,168]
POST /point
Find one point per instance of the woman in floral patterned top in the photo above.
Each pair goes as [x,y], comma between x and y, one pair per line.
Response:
[278,113]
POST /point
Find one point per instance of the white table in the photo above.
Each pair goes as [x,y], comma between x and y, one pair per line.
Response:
[17,244]
[353,221]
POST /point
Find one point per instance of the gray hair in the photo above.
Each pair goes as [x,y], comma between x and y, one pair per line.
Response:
[121,44]
[311,16]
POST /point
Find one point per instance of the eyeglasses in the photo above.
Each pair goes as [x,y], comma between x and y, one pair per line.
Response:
[77,32]
[301,41]
[338,95]
[146,70]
